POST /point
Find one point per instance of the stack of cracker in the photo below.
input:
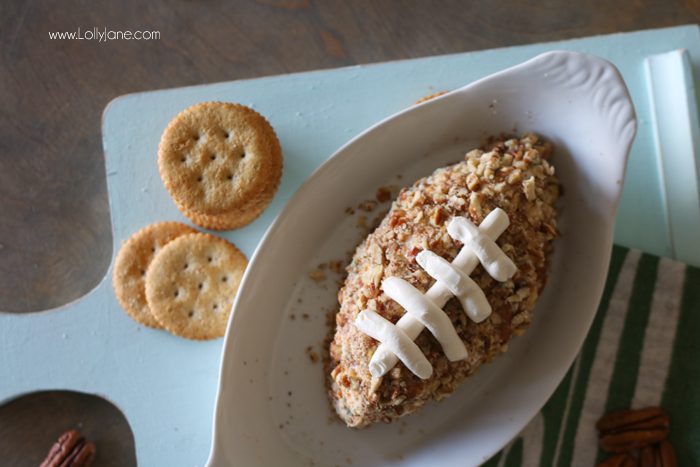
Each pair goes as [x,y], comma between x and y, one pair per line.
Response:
[168,275]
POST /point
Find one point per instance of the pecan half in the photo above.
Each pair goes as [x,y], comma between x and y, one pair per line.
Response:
[70,450]
[666,454]
[641,419]
[647,456]
[620,460]
[625,441]
[658,455]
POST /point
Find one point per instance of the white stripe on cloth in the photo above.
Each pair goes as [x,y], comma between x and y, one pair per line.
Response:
[660,334]
[586,440]
[533,439]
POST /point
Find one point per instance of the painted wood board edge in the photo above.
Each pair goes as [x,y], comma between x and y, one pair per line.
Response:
[674,117]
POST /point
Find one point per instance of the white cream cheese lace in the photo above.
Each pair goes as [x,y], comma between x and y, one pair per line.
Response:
[425,311]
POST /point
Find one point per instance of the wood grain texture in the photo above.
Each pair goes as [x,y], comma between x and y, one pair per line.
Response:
[55,240]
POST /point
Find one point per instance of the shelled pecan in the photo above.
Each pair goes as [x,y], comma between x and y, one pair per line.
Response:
[625,441]
[658,455]
[636,437]
[650,418]
[70,450]
[666,455]
[647,456]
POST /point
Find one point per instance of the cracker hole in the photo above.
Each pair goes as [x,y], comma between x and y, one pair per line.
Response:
[153,249]
[143,272]
[200,286]
[215,306]
[183,159]
[224,279]
[209,259]
[242,155]
[177,292]
[199,179]
[226,134]
[190,314]
[229,176]
[186,266]
[196,136]
[213,157]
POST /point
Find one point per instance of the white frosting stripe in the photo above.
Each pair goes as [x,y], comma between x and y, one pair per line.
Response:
[497,264]
[384,359]
[470,295]
[396,341]
[429,314]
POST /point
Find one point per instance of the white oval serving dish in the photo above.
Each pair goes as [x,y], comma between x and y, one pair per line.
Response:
[272,408]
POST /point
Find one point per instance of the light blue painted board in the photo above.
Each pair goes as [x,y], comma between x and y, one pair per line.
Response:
[166,385]
[674,118]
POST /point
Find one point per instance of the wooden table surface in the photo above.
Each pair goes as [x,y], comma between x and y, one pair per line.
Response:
[55,240]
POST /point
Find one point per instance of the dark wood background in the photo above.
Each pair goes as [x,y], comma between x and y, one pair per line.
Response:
[55,240]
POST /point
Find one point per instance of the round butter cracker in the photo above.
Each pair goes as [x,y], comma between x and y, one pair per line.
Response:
[131,264]
[191,284]
[221,163]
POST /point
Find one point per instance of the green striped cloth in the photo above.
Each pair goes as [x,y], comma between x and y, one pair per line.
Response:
[643,349]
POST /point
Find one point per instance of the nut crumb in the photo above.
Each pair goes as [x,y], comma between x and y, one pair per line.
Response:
[383,194]
[317,275]
[336,266]
[362,222]
[429,97]
[368,205]
[313,356]
[529,188]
